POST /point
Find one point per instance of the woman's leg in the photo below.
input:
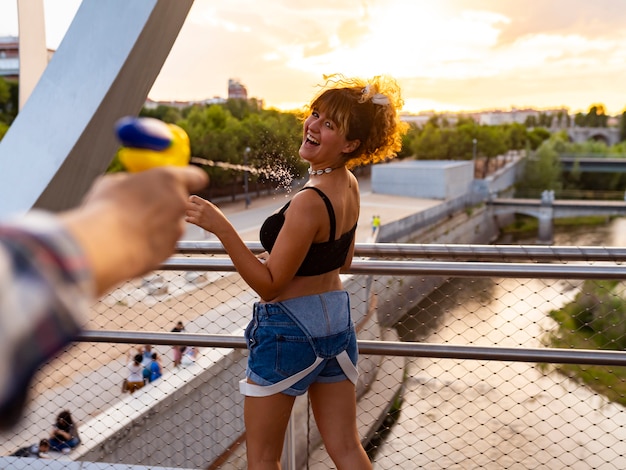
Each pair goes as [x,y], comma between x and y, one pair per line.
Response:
[56,444]
[73,442]
[334,408]
[266,420]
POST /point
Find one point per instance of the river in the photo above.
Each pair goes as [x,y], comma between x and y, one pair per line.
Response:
[466,414]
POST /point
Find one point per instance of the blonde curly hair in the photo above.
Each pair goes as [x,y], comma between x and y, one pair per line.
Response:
[364,110]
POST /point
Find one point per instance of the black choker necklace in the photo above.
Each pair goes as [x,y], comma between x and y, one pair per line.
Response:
[320,172]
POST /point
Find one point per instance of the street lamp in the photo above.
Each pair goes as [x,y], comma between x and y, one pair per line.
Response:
[474,142]
[245,175]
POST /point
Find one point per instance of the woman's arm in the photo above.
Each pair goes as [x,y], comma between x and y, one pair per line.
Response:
[268,278]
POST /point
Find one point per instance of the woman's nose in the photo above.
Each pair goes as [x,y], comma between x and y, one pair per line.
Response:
[314,123]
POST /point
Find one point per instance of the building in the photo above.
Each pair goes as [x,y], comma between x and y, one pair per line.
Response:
[497,117]
[236,90]
[9,58]
[151,104]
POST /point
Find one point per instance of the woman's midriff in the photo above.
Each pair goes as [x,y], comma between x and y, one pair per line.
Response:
[301,286]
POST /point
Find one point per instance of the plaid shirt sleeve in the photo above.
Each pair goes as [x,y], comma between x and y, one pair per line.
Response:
[46,288]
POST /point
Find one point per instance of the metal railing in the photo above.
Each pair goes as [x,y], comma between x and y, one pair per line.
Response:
[396,275]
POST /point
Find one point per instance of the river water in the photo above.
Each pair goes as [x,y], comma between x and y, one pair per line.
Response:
[467,414]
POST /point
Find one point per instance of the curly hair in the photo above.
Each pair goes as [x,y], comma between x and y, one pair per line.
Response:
[364,110]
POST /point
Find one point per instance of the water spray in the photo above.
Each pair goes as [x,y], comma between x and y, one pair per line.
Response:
[149,142]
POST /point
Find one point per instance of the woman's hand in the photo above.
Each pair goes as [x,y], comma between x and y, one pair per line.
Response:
[205,214]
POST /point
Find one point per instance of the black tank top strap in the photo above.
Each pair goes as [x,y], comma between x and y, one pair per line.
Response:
[329,208]
[284,208]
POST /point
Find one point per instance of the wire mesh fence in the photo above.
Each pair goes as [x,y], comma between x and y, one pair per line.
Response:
[495,357]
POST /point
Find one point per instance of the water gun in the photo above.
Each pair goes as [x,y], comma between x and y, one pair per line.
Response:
[148,143]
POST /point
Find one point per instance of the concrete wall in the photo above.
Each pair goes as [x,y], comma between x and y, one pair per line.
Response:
[184,422]
[431,179]
[502,181]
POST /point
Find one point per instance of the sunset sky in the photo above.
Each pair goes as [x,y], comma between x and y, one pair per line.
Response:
[446,54]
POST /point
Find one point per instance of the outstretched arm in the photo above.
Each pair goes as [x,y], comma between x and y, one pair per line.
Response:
[128,224]
[51,266]
[269,276]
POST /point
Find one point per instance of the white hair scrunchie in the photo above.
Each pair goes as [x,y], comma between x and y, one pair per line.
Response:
[377,98]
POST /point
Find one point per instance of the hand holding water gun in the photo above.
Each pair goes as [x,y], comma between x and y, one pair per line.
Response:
[149,143]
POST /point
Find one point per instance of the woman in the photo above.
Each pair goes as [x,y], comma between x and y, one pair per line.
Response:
[303,318]
[135,378]
[155,368]
[64,435]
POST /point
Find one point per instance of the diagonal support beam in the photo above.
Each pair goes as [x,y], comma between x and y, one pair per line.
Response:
[104,68]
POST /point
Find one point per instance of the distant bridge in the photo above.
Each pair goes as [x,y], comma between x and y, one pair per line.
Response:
[608,135]
[593,164]
[546,212]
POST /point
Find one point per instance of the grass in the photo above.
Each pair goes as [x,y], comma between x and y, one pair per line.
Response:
[582,326]
[526,225]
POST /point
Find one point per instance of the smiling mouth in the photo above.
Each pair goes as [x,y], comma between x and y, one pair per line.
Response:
[312,140]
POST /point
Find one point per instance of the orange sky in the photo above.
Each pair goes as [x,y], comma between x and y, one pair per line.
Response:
[446,54]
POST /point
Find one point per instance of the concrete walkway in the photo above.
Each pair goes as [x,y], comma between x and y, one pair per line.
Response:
[247,221]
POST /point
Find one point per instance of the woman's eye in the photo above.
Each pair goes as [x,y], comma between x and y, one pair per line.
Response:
[315,114]
[329,124]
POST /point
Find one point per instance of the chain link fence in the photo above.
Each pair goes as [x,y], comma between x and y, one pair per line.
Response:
[489,357]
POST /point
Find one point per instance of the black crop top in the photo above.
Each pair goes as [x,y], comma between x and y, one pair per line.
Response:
[322,257]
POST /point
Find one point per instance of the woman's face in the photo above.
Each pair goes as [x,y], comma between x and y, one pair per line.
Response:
[323,144]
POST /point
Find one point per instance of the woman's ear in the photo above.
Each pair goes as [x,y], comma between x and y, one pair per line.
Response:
[351,146]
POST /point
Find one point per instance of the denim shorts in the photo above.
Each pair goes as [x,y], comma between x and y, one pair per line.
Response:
[287,337]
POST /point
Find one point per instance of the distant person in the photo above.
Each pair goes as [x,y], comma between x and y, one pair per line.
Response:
[375,223]
[39,451]
[126,226]
[147,354]
[43,448]
[178,350]
[135,378]
[155,368]
[189,356]
[304,311]
[64,436]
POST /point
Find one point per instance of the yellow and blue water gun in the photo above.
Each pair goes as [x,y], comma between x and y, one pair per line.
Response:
[149,142]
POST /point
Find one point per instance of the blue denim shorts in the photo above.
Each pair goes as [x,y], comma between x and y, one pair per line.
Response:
[286,337]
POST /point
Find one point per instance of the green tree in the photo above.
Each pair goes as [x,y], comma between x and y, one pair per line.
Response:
[9,96]
[429,144]
[542,170]
[622,126]
[516,136]
[167,114]
[3,129]
[537,136]
[596,117]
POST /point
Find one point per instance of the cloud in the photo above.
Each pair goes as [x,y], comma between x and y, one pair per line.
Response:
[456,53]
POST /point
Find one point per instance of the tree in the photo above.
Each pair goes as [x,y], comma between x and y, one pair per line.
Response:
[9,96]
[537,136]
[596,117]
[516,136]
[542,170]
[3,129]
[622,127]
[429,145]
[167,114]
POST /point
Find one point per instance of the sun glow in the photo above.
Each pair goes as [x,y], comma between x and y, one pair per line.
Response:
[405,38]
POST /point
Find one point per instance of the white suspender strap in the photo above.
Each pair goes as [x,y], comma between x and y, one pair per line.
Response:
[348,368]
[254,390]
